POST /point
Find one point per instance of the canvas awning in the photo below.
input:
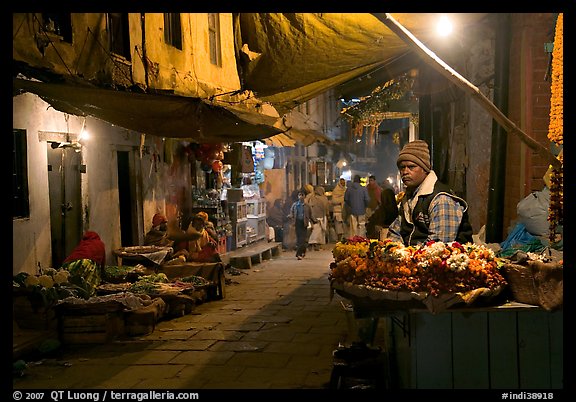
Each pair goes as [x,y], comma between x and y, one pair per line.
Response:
[161,115]
[295,128]
[289,58]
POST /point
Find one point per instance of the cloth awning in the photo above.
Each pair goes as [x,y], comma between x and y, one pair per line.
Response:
[289,58]
[170,116]
[296,130]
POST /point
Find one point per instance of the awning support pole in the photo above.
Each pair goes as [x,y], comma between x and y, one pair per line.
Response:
[430,58]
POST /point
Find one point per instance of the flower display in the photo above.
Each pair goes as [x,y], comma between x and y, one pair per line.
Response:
[433,268]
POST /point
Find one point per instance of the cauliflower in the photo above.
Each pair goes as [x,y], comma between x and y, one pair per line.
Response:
[46,281]
[31,280]
[61,277]
[50,271]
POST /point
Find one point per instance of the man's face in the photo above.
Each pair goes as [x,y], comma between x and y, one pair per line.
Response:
[342,182]
[412,174]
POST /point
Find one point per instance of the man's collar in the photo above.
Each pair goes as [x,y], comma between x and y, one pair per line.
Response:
[427,186]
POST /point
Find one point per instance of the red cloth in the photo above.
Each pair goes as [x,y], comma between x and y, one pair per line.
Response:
[90,247]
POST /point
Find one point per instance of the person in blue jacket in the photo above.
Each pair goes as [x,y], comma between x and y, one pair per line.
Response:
[356,200]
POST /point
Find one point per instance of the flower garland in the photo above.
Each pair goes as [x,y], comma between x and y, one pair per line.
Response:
[556,130]
[434,267]
[556,126]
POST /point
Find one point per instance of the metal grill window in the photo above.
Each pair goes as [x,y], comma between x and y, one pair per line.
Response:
[214,38]
[173,30]
[119,34]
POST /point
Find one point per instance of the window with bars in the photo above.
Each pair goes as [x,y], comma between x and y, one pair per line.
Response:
[119,34]
[173,30]
[214,39]
[20,201]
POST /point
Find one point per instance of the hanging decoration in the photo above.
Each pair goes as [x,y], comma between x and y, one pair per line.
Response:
[556,131]
[371,110]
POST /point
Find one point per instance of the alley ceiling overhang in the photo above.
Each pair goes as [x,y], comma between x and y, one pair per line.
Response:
[161,115]
[285,59]
[289,58]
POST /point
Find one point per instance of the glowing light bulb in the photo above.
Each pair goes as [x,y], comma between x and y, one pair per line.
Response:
[444,27]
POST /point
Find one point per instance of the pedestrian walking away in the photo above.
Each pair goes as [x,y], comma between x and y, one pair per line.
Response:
[338,208]
[301,216]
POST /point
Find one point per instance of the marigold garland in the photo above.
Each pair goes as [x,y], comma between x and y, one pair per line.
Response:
[556,130]
[556,126]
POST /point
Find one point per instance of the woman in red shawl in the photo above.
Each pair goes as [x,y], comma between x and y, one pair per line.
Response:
[86,261]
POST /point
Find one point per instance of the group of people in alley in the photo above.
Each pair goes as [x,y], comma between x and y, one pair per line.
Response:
[427,209]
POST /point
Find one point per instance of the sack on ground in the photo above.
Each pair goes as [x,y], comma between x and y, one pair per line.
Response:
[533,212]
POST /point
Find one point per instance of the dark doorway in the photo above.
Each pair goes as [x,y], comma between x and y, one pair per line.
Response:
[126,199]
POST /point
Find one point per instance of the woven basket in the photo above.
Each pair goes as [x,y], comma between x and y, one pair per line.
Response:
[537,283]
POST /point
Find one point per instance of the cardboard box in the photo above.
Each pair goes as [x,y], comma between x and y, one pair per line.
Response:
[235,194]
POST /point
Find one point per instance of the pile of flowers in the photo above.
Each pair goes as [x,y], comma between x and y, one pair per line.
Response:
[433,268]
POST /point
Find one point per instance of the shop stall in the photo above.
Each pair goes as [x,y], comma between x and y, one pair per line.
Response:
[455,315]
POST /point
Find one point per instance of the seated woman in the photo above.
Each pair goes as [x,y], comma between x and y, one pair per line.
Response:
[209,226]
[200,245]
[205,247]
[87,261]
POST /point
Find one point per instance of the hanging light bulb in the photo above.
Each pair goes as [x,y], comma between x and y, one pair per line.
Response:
[444,26]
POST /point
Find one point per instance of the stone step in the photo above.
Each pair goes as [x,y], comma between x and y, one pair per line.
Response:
[245,257]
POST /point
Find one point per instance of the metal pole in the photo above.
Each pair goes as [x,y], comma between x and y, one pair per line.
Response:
[494,219]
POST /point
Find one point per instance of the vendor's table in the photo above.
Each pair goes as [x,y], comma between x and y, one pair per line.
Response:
[211,271]
[509,345]
[149,256]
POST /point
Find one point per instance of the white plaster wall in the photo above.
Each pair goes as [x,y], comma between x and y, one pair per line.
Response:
[31,236]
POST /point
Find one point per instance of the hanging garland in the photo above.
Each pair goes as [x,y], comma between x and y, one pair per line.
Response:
[556,131]
[371,110]
[556,127]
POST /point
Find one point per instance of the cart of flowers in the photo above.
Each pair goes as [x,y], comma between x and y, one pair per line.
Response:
[434,276]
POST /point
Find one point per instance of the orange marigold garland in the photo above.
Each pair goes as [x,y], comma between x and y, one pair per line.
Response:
[556,130]
[556,125]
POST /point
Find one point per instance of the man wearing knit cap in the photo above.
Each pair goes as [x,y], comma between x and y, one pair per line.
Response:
[429,211]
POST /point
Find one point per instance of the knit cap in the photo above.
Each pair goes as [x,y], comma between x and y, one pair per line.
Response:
[416,151]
